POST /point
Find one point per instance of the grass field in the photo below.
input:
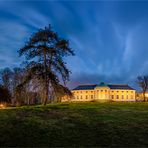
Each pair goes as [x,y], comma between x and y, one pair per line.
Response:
[76,124]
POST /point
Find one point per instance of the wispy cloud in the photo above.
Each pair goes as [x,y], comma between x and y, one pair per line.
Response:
[109,38]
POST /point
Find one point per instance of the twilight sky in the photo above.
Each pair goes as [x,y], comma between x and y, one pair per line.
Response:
[110,38]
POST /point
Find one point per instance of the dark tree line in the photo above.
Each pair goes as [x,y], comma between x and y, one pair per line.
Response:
[10,79]
[143,84]
[43,68]
[5,95]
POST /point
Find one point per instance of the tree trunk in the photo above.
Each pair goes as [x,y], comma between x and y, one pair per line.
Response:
[144,96]
[46,80]
[46,93]
[28,102]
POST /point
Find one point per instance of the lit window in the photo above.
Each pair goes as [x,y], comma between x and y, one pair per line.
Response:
[126,97]
[131,96]
[122,97]
[112,96]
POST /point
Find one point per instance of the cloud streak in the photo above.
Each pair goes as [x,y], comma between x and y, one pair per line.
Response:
[109,38]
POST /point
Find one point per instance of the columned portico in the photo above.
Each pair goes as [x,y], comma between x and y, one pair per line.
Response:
[102,92]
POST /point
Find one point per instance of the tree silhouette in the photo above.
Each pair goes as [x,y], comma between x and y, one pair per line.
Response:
[143,84]
[45,53]
[6,78]
[5,96]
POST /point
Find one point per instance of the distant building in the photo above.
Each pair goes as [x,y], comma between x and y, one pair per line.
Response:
[103,92]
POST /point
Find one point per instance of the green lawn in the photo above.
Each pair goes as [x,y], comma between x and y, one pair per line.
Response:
[76,124]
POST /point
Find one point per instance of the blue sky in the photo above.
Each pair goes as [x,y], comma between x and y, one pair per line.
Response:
[110,38]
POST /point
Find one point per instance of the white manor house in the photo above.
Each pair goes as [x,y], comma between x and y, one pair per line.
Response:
[103,92]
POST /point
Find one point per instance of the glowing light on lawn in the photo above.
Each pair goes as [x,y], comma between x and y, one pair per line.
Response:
[2,106]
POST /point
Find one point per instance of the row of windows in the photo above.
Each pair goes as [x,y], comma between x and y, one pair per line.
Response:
[83,91]
[84,97]
[115,91]
[112,97]
[122,91]
[102,91]
[122,97]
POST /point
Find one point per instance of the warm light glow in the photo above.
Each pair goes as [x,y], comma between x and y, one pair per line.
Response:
[2,106]
[146,94]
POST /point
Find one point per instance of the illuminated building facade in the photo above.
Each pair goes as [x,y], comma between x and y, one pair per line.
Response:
[103,92]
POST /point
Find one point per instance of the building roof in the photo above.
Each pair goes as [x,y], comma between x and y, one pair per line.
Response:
[102,84]
[120,86]
[85,87]
[111,86]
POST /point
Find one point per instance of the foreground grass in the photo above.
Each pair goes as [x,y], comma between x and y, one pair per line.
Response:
[76,124]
